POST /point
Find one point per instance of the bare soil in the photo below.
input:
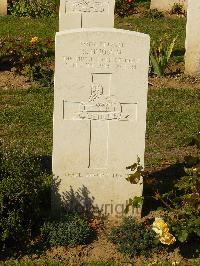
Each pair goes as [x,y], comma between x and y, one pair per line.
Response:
[9,80]
[175,79]
[178,82]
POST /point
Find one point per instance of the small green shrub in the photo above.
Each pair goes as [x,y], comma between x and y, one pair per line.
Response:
[160,55]
[24,197]
[33,8]
[134,238]
[177,9]
[70,230]
[40,73]
[153,14]
[124,8]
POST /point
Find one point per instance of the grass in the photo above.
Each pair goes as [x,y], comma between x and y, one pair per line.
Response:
[26,119]
[173,117]
[15,26]
[156,28]
[47,27]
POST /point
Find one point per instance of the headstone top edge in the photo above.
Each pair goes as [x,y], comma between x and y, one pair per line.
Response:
[113,30]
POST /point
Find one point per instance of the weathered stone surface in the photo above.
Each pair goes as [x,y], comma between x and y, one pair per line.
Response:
[192,44]
[166,5]
[101,83]
[86,14]
[3,7]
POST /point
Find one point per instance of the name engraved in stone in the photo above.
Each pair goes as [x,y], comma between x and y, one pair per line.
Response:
[86,6]
[104,55]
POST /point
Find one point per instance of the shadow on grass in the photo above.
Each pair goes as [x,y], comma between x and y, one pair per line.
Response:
[45,163]
[178,52]
[160,181]
[5,63]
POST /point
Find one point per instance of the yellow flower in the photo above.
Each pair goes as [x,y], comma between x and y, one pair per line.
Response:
[167,239]
[165,231]
[175,263]
[34,40]
[160,227]
[162,230]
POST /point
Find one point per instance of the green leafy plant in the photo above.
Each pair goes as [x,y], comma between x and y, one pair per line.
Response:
[40,73]
[134,178]
[25,191]
[124,8]
[137,170]
[153,14]
[160,55]
[177,9]
[135,203]
[134,238]
[69,230]
[33,8]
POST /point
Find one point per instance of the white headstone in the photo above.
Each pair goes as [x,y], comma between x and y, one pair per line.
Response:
[86,14]
[3,7]
[192,44]
[101,83]
[167,5]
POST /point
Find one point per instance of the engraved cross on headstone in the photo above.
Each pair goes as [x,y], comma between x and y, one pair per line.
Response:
[83,7]
[100,110]
[86,14]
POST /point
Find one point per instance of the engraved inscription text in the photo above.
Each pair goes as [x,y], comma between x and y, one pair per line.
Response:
[86,6]
[103,55]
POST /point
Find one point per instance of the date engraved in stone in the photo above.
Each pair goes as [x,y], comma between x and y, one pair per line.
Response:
[86,6]
[95,175]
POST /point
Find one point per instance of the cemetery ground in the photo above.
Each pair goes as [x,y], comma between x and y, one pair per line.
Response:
[172,126]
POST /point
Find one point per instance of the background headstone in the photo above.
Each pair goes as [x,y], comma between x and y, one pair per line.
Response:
[86,14]
[3,7]
[101,83]
[192,44]
[166,5]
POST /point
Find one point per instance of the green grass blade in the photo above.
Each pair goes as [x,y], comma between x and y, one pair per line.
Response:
[156,67]
[170,49]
